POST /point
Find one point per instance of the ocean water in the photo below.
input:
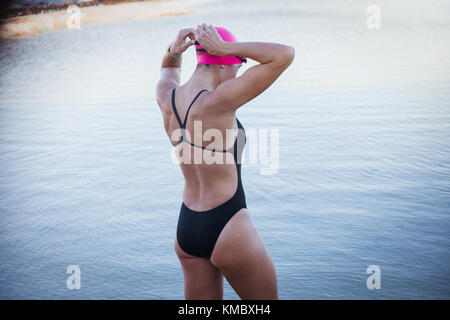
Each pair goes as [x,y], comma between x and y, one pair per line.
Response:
[363,173]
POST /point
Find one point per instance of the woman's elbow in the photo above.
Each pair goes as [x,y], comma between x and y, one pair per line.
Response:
[285,56]
[288,55]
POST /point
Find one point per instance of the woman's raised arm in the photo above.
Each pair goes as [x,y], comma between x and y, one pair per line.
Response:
[274,58]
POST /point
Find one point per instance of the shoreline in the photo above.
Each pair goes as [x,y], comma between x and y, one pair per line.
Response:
[29,25]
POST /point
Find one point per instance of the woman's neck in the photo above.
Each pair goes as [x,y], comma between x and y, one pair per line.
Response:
[202,78]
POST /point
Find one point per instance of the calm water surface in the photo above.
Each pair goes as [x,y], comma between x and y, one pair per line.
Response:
[363,116]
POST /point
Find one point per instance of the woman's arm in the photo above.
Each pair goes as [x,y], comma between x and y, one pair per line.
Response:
[274,58]
[171,65]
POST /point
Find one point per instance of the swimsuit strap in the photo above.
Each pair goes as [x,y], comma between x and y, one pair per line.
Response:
[175,108]
[233,148]
[183,124]
[187,112]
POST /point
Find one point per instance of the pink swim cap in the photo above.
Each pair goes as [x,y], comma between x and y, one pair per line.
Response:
[203,57]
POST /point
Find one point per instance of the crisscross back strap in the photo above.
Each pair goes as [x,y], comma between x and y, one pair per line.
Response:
[183,124]
[187,112]
[175,108]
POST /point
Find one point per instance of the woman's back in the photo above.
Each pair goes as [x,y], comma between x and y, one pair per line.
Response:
[208,149]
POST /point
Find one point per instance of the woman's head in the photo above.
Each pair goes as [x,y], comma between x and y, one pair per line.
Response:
[224,67]
[203,57]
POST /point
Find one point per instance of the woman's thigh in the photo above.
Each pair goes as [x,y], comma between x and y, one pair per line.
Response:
[202,280]
[242,257]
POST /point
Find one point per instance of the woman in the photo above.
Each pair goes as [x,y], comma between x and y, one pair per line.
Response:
[215,236]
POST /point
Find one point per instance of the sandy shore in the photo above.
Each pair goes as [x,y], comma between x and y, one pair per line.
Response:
[37,23]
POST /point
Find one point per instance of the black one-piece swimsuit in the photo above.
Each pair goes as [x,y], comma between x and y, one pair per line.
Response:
[198,231]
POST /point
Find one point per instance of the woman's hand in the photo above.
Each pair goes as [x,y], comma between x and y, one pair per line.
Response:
[180,45]
[209,39]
